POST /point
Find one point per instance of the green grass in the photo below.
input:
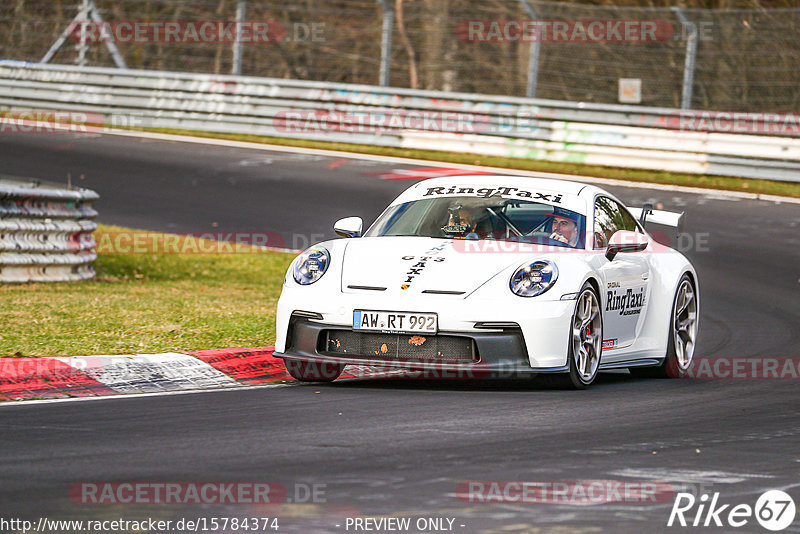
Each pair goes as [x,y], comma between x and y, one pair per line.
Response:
[765,187]
[146,303]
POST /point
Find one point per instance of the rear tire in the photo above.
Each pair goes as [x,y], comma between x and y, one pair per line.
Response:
[682,335]
[313,371]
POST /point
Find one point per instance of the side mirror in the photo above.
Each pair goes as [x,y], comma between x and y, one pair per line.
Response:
[348,227]
[626,241]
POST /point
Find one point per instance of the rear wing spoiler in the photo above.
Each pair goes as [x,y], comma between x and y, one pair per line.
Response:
[667,218]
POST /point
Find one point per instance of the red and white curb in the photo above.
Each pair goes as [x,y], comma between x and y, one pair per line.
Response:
[92,376]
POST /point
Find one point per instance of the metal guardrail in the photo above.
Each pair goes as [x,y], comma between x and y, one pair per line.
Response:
[727,58]
[45,232]
[599,134]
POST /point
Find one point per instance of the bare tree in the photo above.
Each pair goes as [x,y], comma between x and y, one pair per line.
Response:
[412,55]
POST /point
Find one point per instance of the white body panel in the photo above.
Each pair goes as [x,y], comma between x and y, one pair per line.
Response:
[466,283]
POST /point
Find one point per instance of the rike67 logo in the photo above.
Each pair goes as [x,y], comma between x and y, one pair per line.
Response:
[774,510]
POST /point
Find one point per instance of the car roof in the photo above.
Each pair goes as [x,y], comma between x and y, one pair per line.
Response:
[551,184]
[568,193]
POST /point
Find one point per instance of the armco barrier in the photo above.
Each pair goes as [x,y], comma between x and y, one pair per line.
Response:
[45,232]
[600,134]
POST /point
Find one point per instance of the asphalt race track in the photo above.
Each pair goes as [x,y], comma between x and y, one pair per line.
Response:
[399,447]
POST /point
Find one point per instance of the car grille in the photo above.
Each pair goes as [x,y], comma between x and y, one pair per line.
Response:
[437,348]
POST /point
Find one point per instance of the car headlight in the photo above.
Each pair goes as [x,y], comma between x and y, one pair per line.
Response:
[311,265]
[532,279]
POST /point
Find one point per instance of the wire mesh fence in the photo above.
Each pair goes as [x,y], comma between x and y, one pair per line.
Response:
[743,60]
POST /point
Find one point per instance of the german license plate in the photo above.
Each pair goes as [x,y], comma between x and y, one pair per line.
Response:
[395,322]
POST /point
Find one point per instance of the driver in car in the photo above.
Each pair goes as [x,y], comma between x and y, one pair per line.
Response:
[564,227]
[462,222]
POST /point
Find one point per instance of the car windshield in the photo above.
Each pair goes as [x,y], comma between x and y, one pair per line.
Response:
[483,218]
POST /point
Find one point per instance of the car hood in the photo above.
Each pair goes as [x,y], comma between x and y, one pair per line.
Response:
[413,265]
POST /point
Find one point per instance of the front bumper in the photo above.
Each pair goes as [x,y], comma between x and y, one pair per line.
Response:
[540,343]
[476,354]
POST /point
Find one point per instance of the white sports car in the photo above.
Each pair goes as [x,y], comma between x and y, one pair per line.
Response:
[497,275]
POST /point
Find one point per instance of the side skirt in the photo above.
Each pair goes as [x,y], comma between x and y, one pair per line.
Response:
[648,362]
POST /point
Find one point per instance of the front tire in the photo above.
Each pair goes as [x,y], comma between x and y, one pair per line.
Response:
[313,371]
[586,342]
[682,335]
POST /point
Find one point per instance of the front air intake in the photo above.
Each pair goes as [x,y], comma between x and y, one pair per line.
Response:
[404,347]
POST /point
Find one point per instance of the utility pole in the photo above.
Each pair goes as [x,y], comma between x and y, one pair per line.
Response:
[386,42]
[535,50]
[691,55]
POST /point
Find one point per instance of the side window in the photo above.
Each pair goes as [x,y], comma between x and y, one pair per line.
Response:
[609,217]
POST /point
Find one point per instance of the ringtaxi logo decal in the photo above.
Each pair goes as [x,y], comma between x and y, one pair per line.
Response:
[774,510]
